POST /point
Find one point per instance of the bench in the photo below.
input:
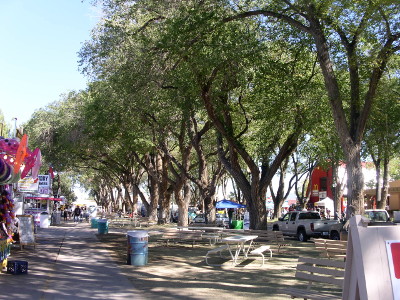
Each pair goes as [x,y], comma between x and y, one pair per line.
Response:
[122,222]
[213,238]
[145,221]
[272,237]
[169,236]
[260,251]
[280,240]
[323,279]
[331,248]
[218,251]
[183,236]
[186,236]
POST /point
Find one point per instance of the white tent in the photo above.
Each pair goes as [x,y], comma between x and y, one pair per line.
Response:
[326,203]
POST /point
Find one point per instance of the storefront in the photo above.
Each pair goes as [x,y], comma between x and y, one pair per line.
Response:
[322,185]
[38,207]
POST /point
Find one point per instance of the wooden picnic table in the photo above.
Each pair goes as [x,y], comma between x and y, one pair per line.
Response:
[214,234]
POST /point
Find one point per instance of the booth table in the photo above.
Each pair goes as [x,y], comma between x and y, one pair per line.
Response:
[237,244]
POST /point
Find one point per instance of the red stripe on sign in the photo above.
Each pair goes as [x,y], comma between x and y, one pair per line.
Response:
[395,247]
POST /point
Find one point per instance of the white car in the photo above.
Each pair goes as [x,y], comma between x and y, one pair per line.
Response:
[199,219]
[221,220]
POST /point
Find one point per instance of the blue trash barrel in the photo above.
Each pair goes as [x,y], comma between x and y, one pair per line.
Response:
[93,222]
[137,247]
[102,226]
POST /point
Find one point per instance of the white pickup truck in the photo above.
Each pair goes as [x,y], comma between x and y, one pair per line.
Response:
[304,224]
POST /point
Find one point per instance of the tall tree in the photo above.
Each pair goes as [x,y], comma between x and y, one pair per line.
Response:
[367,35]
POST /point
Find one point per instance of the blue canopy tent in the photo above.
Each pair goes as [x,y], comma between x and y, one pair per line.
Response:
[229,204]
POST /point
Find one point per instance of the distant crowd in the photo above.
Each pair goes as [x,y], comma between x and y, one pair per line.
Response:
[77,213]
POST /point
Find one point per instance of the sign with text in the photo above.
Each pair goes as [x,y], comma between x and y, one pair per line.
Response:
[44,181]
[322,194]
[28,184]
[44,191]
[393,251]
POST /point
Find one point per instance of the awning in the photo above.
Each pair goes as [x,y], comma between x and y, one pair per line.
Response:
[229,204]
[44,198]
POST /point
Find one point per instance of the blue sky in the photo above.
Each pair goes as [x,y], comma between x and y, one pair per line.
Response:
[38,54]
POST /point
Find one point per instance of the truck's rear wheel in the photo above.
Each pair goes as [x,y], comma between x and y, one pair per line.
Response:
[275,228]
[302,236]
[335,236]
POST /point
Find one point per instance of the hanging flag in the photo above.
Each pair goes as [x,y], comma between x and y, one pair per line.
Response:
[51,173]
[21,153]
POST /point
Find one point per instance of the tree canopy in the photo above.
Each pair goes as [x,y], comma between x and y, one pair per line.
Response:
[175,83]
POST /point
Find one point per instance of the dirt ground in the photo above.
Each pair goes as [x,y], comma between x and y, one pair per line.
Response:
[180,272]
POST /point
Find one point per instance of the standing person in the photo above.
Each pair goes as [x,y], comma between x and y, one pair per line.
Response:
[69,211]
[77,214]
[85,214]
[230,216]
[64,213]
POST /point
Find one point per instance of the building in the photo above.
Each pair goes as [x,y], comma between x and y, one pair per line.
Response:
[393,197]
[322,185]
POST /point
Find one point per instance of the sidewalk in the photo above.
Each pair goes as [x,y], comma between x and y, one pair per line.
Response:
[68,263]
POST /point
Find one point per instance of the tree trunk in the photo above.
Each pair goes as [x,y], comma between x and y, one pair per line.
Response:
[183,204]
[278,209]
[378,188]
[349,136]
[385,186]
[355,183]
[154,167]
[164,207]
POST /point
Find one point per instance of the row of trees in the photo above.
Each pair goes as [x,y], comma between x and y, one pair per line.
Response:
[185,93]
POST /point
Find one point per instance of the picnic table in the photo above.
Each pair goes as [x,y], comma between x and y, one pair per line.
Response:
[237,244]
[213,234]
[203,228]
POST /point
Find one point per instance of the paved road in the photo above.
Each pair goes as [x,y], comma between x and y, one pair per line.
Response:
[67,263]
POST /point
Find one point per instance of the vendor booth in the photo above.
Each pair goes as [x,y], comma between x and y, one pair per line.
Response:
[44,210]
[228,204]
[16,161]
[235,219]
[327,206]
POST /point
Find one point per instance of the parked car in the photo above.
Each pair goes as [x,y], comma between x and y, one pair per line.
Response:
[221,220]
[304,224]
[199,219]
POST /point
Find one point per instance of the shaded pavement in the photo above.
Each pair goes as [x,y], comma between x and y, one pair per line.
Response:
[68,262]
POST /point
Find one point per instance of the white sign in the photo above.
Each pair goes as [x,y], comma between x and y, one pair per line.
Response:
[322,195]
[28,184]
[44,181]
[246,221]
[393,252]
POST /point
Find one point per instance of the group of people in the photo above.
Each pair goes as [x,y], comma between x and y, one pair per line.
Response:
[77,214]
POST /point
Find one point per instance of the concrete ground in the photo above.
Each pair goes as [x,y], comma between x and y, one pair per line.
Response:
[71,261]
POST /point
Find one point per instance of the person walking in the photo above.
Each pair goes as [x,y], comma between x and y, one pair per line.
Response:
[77,214]
[64,213]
